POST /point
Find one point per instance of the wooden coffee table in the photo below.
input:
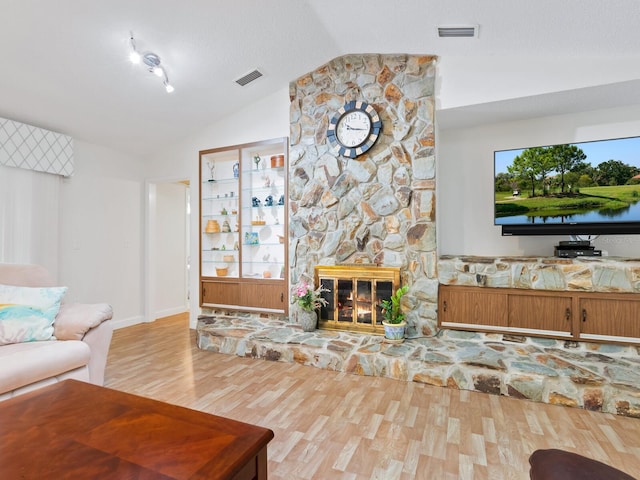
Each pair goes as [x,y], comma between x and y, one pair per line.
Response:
[75,430]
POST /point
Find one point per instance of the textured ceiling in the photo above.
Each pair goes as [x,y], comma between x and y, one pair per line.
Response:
[65,66]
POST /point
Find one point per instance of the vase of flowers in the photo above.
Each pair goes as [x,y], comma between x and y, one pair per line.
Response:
[307,300]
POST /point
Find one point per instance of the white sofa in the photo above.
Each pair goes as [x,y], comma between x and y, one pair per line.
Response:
[79,350]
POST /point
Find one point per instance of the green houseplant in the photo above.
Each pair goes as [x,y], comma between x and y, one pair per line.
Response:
[393,315]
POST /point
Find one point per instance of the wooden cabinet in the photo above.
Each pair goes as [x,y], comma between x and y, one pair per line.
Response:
[243,226]
[262,295]
[602,317]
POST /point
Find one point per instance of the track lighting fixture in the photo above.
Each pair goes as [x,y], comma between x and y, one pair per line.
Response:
[151,61]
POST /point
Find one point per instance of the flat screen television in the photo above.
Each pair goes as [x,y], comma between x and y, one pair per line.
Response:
[587,188]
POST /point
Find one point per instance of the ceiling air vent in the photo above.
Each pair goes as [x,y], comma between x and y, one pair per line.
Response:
[469,31]
[249,77]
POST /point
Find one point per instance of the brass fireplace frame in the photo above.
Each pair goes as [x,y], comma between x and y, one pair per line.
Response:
[355,273]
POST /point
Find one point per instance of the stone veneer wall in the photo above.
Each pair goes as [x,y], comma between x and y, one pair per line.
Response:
[587,274]
[380,207]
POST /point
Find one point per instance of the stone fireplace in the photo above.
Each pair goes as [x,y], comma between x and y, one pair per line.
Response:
[377,209]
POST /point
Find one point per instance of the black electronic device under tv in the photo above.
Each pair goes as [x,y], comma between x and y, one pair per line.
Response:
[586,188]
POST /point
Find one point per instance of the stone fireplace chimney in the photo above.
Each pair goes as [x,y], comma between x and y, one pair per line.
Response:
[378,208]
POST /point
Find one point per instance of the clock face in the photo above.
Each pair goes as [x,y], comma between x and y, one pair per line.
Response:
[354,129]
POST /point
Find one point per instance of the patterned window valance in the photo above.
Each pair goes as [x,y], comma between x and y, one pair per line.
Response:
[33,148]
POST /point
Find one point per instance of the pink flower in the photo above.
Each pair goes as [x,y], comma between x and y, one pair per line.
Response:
[306,297]
[302,289]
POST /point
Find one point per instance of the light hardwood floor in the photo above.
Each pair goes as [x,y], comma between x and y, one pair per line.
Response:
[332,425]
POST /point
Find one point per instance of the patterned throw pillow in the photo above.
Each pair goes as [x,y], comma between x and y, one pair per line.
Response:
[27,314]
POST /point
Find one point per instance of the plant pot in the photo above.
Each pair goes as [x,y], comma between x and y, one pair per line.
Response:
[394,332]
[307,320]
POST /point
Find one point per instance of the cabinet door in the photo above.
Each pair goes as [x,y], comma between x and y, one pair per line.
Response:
[541,314]
[264,210]
[220,293]
[219,212]
[611,319]
[471,308]
[265,295]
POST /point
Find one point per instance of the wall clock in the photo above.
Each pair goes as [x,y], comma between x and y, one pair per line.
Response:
[354,129]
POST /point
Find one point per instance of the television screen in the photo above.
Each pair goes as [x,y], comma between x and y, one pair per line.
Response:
[587,188]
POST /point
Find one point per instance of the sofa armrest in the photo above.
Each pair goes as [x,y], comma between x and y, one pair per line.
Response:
[87,322]
[99,341]
[74,320]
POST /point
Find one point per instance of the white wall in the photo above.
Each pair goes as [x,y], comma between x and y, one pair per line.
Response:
[465,180]
[100,254]
[465,81]
[266,119]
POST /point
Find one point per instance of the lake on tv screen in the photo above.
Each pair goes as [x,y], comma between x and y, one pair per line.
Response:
[629,214]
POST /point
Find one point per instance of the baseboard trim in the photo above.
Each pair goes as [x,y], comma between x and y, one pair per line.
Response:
[127,322]
[167,312]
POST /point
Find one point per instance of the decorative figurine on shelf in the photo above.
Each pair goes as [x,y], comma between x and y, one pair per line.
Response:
[267,181]
[251,238]
[212,169]
[268,201]
[255,202]
[225,227]
[224,247]
[281,200]
[223,211]
[257,160]
[235,245]
[236,170]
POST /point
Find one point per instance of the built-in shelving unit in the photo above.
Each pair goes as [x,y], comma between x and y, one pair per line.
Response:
[243,227]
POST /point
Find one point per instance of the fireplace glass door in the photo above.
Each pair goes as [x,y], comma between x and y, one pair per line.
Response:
[353,295]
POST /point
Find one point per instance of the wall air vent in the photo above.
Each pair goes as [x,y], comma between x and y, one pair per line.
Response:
[469,31]
[249,77]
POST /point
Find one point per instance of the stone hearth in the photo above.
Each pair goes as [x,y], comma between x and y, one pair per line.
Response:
[595,377]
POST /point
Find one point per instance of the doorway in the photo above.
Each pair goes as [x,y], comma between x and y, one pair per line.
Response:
[167,258]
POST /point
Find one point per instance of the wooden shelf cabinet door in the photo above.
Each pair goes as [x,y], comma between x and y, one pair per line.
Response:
[612,318]
[269,296]
[477,309]
[220,293]
[540,314]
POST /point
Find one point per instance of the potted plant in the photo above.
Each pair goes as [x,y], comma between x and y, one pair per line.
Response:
[394,323]
[308,301]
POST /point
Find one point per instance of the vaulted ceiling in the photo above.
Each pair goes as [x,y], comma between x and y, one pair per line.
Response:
[65,67]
